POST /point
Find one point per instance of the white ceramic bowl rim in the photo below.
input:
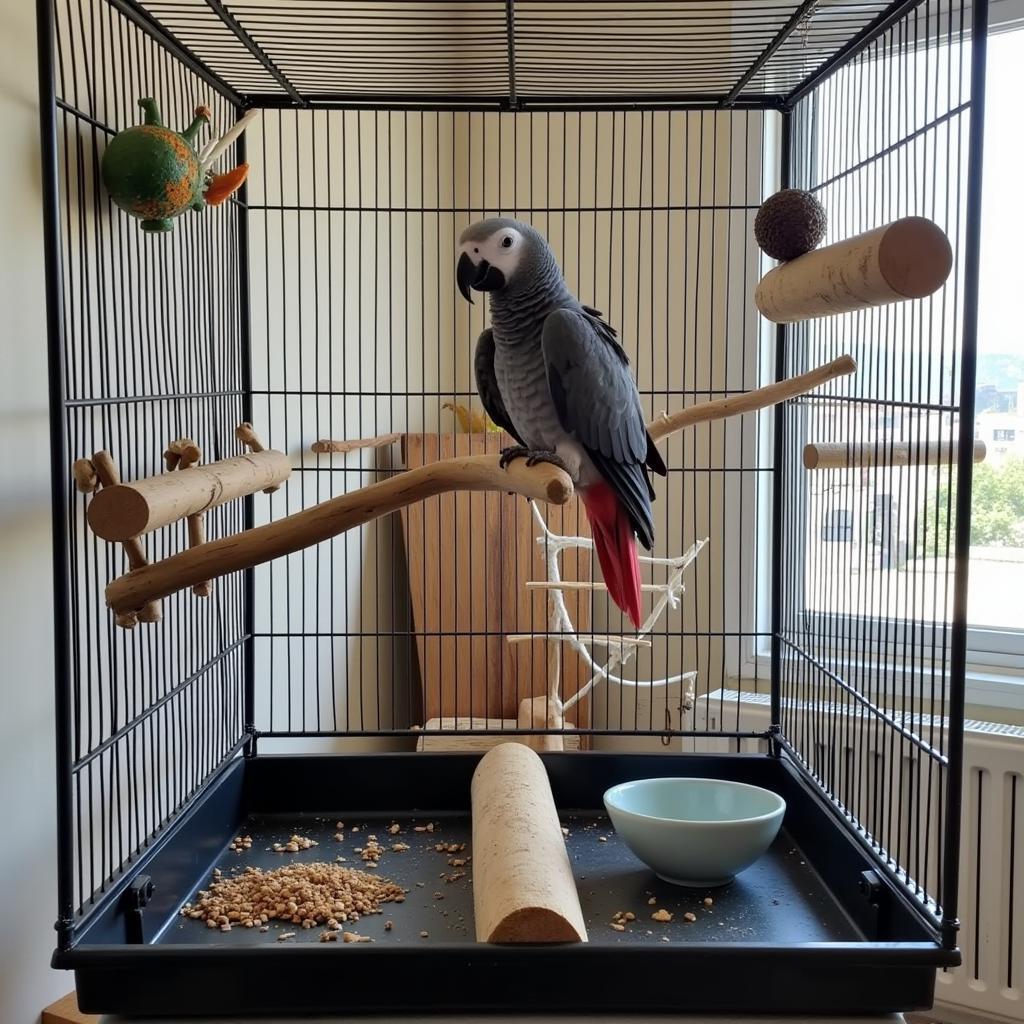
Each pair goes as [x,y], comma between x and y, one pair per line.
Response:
[611,793]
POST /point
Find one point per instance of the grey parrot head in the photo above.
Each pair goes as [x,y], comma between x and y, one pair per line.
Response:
[501,255]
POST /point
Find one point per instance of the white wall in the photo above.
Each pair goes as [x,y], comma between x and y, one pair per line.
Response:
[27,858]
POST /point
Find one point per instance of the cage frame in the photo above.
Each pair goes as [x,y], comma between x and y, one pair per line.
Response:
[513,101]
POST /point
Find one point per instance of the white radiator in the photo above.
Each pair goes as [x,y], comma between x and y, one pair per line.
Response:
[989,985]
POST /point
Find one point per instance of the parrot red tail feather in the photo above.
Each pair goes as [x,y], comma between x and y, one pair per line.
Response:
[224,185]
[616,548]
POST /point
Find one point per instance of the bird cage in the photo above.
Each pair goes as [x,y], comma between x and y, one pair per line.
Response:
[291,589]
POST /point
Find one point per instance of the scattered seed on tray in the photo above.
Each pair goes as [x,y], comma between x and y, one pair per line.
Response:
[708,901]
[394,829]
[399,847]
[688,916]
[651,902]
[661,915]
[339,825]
[602,839]
[388,925]
[241,843]
[339,837]
[305,894]
[295,844]
[618,927]
[328,936]
[424,935]
[355,937]
[285,935]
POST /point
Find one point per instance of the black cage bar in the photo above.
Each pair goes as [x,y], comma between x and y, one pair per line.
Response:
[641,138]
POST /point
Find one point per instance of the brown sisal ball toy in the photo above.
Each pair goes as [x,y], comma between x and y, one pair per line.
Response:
[790,223]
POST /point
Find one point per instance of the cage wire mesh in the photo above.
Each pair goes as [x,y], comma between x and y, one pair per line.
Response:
[321,303]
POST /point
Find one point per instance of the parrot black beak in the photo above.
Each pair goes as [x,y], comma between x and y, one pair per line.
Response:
[465,272]
[481,277]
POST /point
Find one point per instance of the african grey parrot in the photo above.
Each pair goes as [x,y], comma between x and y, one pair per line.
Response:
[550,372]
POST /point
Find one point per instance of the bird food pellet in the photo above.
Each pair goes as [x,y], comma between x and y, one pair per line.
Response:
[708,901]
[394,829]
[355,937]
[688,916]
[424,935]
[651,902]
[301,894]
[602,839]
[241,843]
[618,927]
[388,925]
[661,915]
[399,847]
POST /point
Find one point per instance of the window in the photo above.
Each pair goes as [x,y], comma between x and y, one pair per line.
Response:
[997,513]
[880,538]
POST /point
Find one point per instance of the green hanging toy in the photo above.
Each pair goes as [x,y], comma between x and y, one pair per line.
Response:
[156,174]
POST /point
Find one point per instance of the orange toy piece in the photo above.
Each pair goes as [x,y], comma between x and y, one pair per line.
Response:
[222,186]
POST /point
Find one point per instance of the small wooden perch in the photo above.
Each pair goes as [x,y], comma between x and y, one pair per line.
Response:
[907,259]
[325,447]
[523,886]
[130,510]
[884,453]
[542,482]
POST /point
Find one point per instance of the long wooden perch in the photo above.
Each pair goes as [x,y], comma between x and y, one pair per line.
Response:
[542,482]
[842,455]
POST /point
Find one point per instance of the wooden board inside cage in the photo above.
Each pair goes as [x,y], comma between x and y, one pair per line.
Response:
[470,556]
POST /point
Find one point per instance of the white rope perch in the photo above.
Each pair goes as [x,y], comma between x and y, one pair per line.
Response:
[560,622]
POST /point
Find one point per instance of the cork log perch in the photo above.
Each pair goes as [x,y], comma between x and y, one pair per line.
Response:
[907,259]
[523,886]
[542,482]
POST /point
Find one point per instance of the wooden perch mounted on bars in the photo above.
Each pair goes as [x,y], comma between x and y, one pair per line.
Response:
[158,501]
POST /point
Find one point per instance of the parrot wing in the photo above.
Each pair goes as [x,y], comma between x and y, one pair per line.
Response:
[598,403]
[487,384]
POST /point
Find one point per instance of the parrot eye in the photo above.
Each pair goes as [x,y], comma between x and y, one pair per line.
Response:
[506,242]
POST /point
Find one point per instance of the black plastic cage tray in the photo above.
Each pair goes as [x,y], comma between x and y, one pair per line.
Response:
[810,928]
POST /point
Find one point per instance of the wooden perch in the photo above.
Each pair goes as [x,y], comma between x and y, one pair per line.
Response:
[321,522]
[523,886]
[105,472]
[907,259]
[325,447]
[884,453]
[595,639]
[542,482]
[130,510]
[750,401]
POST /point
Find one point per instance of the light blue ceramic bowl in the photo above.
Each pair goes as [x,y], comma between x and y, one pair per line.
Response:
[695,832]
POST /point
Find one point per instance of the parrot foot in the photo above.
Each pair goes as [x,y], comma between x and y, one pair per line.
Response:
[532,456]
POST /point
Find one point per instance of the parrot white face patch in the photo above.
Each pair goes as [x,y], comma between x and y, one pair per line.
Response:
[502,250]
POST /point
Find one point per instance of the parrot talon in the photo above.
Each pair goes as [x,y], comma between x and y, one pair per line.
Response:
[510,454]
[552,457]
[533,456]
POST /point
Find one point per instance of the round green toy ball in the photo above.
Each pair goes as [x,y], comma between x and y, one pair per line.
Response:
[790,223]
[152,172]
